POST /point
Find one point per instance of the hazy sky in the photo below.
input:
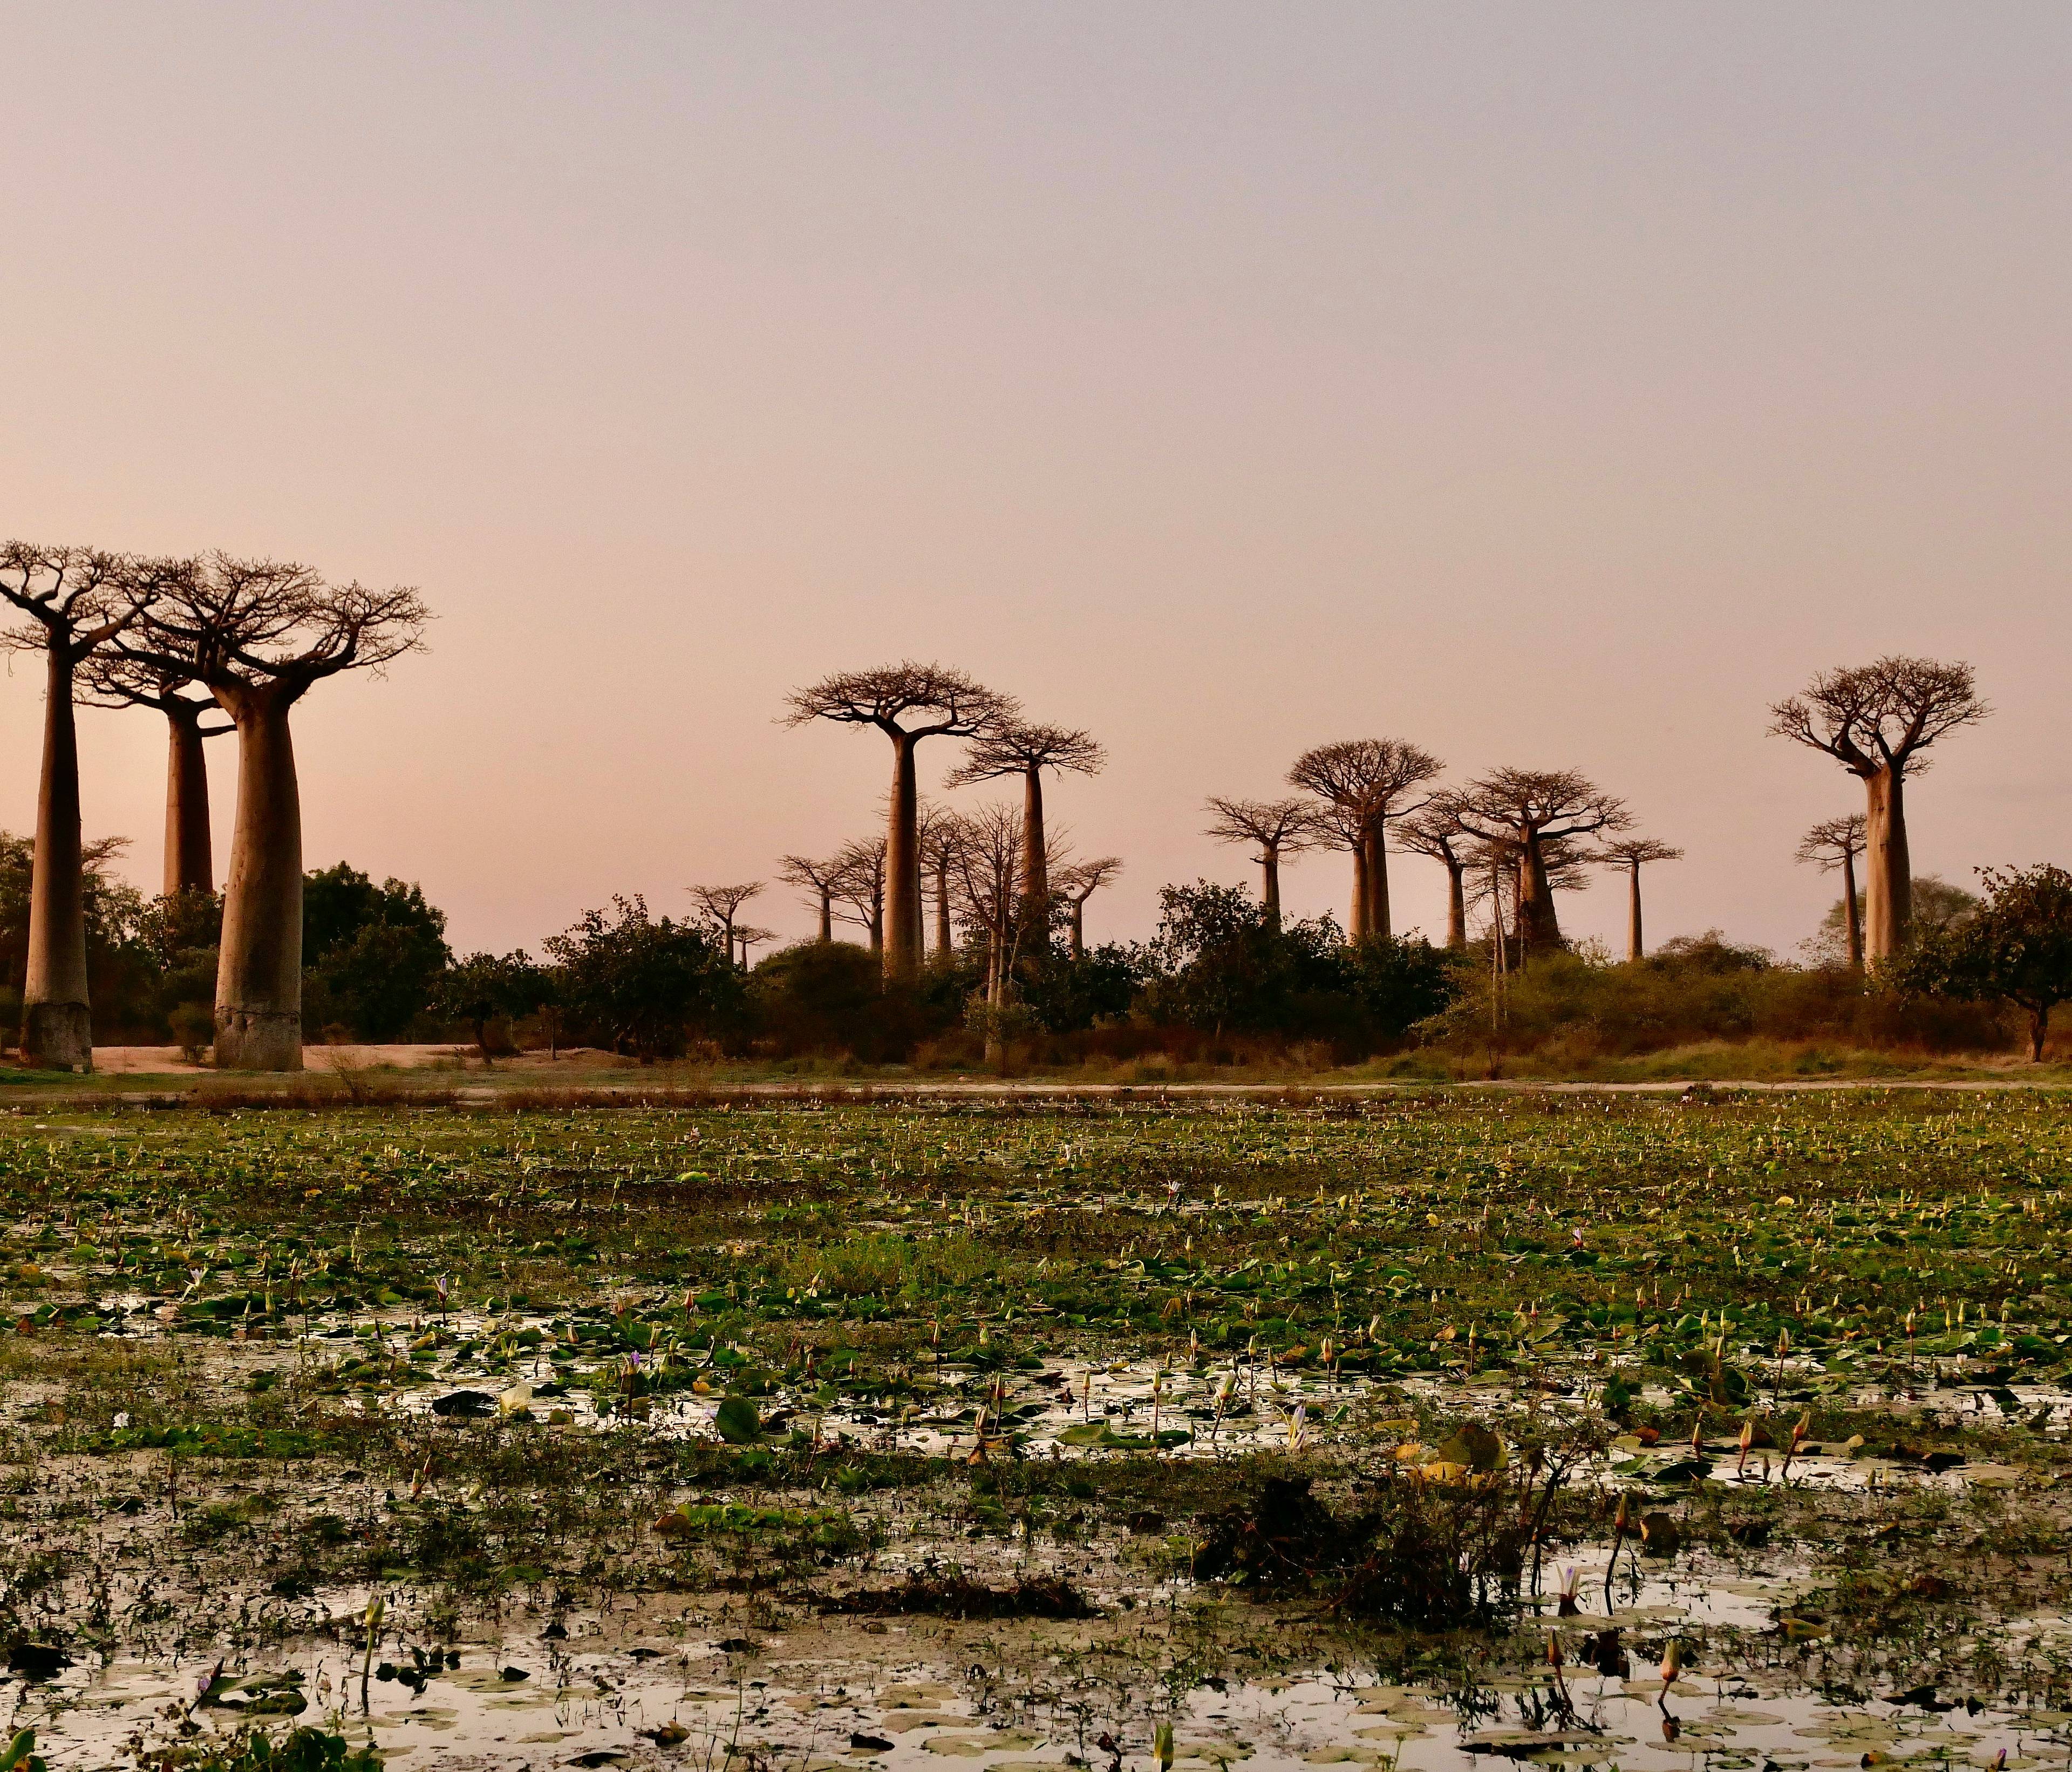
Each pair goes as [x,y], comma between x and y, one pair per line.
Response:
[1550,385]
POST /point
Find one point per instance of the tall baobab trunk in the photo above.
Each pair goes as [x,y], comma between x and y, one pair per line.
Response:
[1888,874]
[1457,905]
[1079,927]
[57,1030]
[1538,925]
[1852,913]
[942,939]
[1375,852]
[1356,928]
[1270,889]
[1035,863]
[826,916]
[901,943]
[1633,940]
[259,976]
[190,854]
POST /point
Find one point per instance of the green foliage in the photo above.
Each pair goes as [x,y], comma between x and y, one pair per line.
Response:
[370,953]
[2015,947]
[299,1750]
[485,988]
[642,984]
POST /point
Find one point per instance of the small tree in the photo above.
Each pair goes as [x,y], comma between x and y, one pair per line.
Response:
[860,887]
[1836,843]
[1532,812]
[639,984]
[374,952]
[2015,947]
[1876,720]
[484,988]
[1362,783]
[939,703]
[1026,752]
[1079,883]
[722,904]
[1435,831]
[1631,855]
[1276,829]
[823,879]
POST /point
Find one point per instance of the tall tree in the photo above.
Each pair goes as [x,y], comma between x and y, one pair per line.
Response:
[1835,843]
[723,903]
[1026,752]
[860,874]
[1362,783]
[110,680]
[1535,811]
[940,703]
[1079,883]
[1632,854]
[259,634]
[77,600]
[821,878]
[1876,720]
[1277,829]
[933,833]
[1436,832]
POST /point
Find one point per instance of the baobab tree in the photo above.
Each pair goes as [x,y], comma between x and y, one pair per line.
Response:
[78,600]
[942,704]
[860,873]
[1876,720]
[748,936]
[1079,883]
[1836,843]
[1277,829]
[110,680]
[1535,811]
[1361,782]
[258,634]
[1026,752]
[723,903]
[823,879]
[1633,853]
[935,830]
[1436,832]
[986,873]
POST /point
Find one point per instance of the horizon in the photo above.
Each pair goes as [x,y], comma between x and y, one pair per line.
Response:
[1536,390]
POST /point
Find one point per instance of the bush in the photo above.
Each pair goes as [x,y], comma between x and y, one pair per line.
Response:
[642,984]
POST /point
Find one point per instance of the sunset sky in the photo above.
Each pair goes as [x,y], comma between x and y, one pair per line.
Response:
[1554,385]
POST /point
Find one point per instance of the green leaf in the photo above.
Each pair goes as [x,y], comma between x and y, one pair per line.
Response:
[737,1422]
[1085,1433]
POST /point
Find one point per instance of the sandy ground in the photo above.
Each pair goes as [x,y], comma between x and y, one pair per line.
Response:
[134,1060]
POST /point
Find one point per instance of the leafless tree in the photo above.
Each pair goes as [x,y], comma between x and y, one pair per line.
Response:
[860,874]
[1078,883]
[748,936]
[722,904]
[1436,832]
[1026,752]
[944,704]
[1875,720]
[1362,783]
[1535,810]
[985,876]
[110,680]
[935,831]
[1836,843]
[78,600]
[258,634]
[821,878]
[1633,853]
[1277,829]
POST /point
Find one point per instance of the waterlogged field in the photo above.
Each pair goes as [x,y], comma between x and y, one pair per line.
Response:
[1579,1430]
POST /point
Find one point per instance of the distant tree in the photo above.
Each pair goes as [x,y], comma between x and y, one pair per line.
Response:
[1534,811]
[485,988]
[823,879]
[1631,854]
[639,984]
[860,878]
[1937,904]
[1276,829]
[1876,720]
[1435,831]
[259,634]
[936,840]
[77,601]
[2015,947]
[942,704]
[1077,884]
[116,918]
[1025,751]
[1836,843]
[1361,784]
[1219,965]
[108,679]
[722,904]
[748,936]
[376,952]
[986,874]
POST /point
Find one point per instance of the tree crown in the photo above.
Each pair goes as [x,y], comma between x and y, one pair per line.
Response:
[1285,827]
[953,705]
[1520,804]
[1017,749]
[1879,717]
[1833,842]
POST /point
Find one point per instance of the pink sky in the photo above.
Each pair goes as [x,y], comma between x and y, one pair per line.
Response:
[1551,386]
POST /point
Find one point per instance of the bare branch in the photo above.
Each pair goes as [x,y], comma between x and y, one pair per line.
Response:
[1016,749]
[960,707]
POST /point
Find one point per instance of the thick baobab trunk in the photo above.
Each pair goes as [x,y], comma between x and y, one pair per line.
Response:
[943,940]
[1888,879]
[190,858]
[1632,942]
[1852,912]
[1376,851]
[1270,883]
[2039,1030]
[57,1031]
[1079,929]
[1457,906]
[826,916]
[1356,927]
[1035,861]
[901,943]
[1539,926]
[259,977]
